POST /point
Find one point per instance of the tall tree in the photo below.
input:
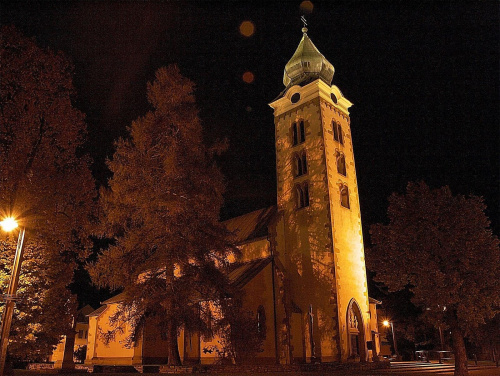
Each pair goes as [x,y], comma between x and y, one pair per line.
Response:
[163,208]
[45,183]
[440,245]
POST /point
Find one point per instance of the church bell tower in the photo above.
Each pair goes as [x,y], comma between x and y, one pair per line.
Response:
[319,237]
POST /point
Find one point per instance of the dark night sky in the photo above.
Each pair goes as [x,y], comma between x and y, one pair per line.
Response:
[423,77]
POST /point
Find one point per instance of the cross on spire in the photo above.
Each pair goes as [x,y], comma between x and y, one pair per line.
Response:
[304,28]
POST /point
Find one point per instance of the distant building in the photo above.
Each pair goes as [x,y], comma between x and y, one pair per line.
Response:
[81,327]
[303,265]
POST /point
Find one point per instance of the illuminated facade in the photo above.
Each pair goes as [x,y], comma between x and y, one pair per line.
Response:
[302,266]
[319,234]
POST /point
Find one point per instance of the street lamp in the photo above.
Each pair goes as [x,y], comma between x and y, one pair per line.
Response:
[387,324]
[9,224]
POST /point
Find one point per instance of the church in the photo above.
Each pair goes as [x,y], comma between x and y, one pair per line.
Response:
[302,267]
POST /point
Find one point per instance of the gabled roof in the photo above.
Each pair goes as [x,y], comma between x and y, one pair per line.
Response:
[115,299]
[251,225]
[97,312]
[242,273]
[81,315]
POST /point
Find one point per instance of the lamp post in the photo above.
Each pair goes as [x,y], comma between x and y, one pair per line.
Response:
[387,324]
[10,224]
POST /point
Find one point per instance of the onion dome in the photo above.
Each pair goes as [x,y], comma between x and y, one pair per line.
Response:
[307,64]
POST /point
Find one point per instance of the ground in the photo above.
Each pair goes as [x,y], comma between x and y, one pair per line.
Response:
[397,369]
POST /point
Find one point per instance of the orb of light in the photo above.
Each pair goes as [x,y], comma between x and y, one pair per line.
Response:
[306,6]
[247,28]
[386,323]
[8,224]
[248,77]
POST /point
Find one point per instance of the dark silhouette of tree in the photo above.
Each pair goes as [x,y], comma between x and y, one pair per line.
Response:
[46,184]
[163,208]
[241,338]
[440,246]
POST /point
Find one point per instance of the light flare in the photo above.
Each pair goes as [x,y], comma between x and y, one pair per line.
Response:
[9,224]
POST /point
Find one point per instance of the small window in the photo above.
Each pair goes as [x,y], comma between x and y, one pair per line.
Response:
[299,196]
[297,161]
[344,196]
[86,334]
[261,322]
[341,168]
[334,98]
[304,163]
[305,189]
[295,98]
[298,133]
[300,164]
[337,132]
[302,192]
[302,132]
[295,135]
[80,334]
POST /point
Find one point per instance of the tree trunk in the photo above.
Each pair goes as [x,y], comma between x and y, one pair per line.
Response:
[459,350]
[174,358]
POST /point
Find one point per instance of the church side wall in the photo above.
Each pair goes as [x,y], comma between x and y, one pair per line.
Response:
[113,352]
[91,339]
[255,249]
[259,292]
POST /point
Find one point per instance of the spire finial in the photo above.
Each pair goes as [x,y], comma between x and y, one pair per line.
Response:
[303,19]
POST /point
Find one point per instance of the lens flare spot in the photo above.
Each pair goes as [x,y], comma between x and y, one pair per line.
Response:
[248,77]
[8,224]
[247,28]
[306,6]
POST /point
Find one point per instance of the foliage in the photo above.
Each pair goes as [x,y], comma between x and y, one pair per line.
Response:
[45,184]
[80,354]
[163,208]
[441,247]
[241,337]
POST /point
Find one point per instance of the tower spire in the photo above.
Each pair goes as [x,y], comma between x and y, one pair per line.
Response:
[307,63]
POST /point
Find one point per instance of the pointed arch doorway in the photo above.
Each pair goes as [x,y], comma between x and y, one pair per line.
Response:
[356,333]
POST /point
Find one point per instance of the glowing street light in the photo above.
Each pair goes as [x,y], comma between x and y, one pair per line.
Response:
[9,224]
[388,323]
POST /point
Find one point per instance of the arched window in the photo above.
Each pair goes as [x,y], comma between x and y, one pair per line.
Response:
[304,163]
[344,196]
[335,129]
[300,196]
[305,189]
[337,132]
[261,322]
[341,168]
[295,138]
[302,192]
[299,164]
[302,132]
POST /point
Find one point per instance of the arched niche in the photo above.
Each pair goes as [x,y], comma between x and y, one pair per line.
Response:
[356,337]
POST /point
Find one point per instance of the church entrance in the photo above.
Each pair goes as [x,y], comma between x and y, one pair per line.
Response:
[356,335]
